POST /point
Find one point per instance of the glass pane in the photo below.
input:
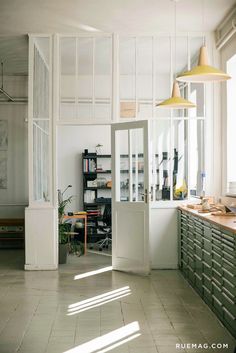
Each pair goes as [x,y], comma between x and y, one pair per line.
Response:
[197,91]
[163,73]
[103,69]
[144,76]
[231,126]
[137,164]
[85,78]
[122,166]
[127,77]
[41,160]
[68,78]
[180,64]
[41,79]
[180,160]
[161,165]
[196,162]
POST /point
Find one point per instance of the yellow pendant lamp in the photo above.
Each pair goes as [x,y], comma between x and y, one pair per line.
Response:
[176,101]
[203,72]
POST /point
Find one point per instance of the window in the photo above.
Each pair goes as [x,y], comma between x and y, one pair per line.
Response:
[231,127]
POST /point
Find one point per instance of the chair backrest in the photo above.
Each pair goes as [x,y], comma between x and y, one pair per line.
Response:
[107,214]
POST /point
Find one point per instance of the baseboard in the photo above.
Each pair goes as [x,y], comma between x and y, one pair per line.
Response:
[164,267]
[41,267]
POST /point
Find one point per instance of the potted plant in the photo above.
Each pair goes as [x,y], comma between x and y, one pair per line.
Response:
[63,228]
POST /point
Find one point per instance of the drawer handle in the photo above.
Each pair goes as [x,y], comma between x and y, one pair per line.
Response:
[215,262]
[216,239]
[228,313]
[225,253]
[216,285]
[197,257]
[226,236]
[205,264]
[228,247]
[206,252]
[218,273]
[204,275]
[228,262]
[197,275]
[217,300]
[230,295]
[206,289]
[214,252]
[227,281]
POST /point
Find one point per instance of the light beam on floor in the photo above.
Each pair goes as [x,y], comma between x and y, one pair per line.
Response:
[92,273]
[110,340]
[98,300]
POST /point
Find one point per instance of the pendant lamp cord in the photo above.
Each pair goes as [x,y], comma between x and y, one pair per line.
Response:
[175,41]
[203,23]
[2,74]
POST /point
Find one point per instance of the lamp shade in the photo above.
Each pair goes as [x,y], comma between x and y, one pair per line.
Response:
[176,101]
[203,72]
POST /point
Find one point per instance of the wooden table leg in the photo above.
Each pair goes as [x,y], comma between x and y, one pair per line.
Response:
[85,235]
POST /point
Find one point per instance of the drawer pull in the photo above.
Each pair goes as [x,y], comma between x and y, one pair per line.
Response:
[206,252]
[215,285]
[217,300]
[197,257]
[197,275]
[229,283]
[206,289]
[228,313]
[204,275]
[228,262]
[227,254]
[231,295]
[229,237]
[205,264]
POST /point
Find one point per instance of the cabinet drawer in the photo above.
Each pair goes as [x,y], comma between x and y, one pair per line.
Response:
[229,236]
[191,275]
[199,238]
[207,232]
[207,269]
[198,250]
[184,245]
[184,256]
[198,283]
[229,286]
[230,256]
[207,281]
[229,303]
[229,320]
[207,295]
[198,265]
[217,306]
[216,290]
[216,256]
[207,244]
[216,276]
[206,256]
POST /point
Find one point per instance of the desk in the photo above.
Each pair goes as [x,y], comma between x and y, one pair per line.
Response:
[84,217]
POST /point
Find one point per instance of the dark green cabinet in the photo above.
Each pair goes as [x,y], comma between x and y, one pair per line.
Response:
[207,258]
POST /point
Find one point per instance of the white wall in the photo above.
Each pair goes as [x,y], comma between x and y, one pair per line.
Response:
[72,140]
[163,238]
[16,194]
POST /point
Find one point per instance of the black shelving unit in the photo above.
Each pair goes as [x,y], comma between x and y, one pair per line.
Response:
[93,202]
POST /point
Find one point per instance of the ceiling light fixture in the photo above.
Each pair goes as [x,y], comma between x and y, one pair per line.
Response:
[203,72]
[176,101]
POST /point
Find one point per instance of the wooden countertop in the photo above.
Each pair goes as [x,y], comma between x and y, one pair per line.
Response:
[226,222]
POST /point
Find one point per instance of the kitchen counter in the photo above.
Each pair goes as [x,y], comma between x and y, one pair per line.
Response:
[225,222]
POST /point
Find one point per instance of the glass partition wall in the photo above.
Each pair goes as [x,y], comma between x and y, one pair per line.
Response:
[143,69]
[41,120]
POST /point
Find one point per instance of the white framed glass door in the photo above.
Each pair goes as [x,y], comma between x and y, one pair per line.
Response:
[130,196]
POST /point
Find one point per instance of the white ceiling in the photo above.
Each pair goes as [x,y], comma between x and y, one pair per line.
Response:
[17,18]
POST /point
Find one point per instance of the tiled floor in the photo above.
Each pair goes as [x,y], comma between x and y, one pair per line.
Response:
[75,310]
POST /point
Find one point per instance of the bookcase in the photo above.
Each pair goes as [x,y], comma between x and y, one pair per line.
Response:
[12,233]
[96,190]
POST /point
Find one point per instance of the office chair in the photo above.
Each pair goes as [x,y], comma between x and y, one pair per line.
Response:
[104,226]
